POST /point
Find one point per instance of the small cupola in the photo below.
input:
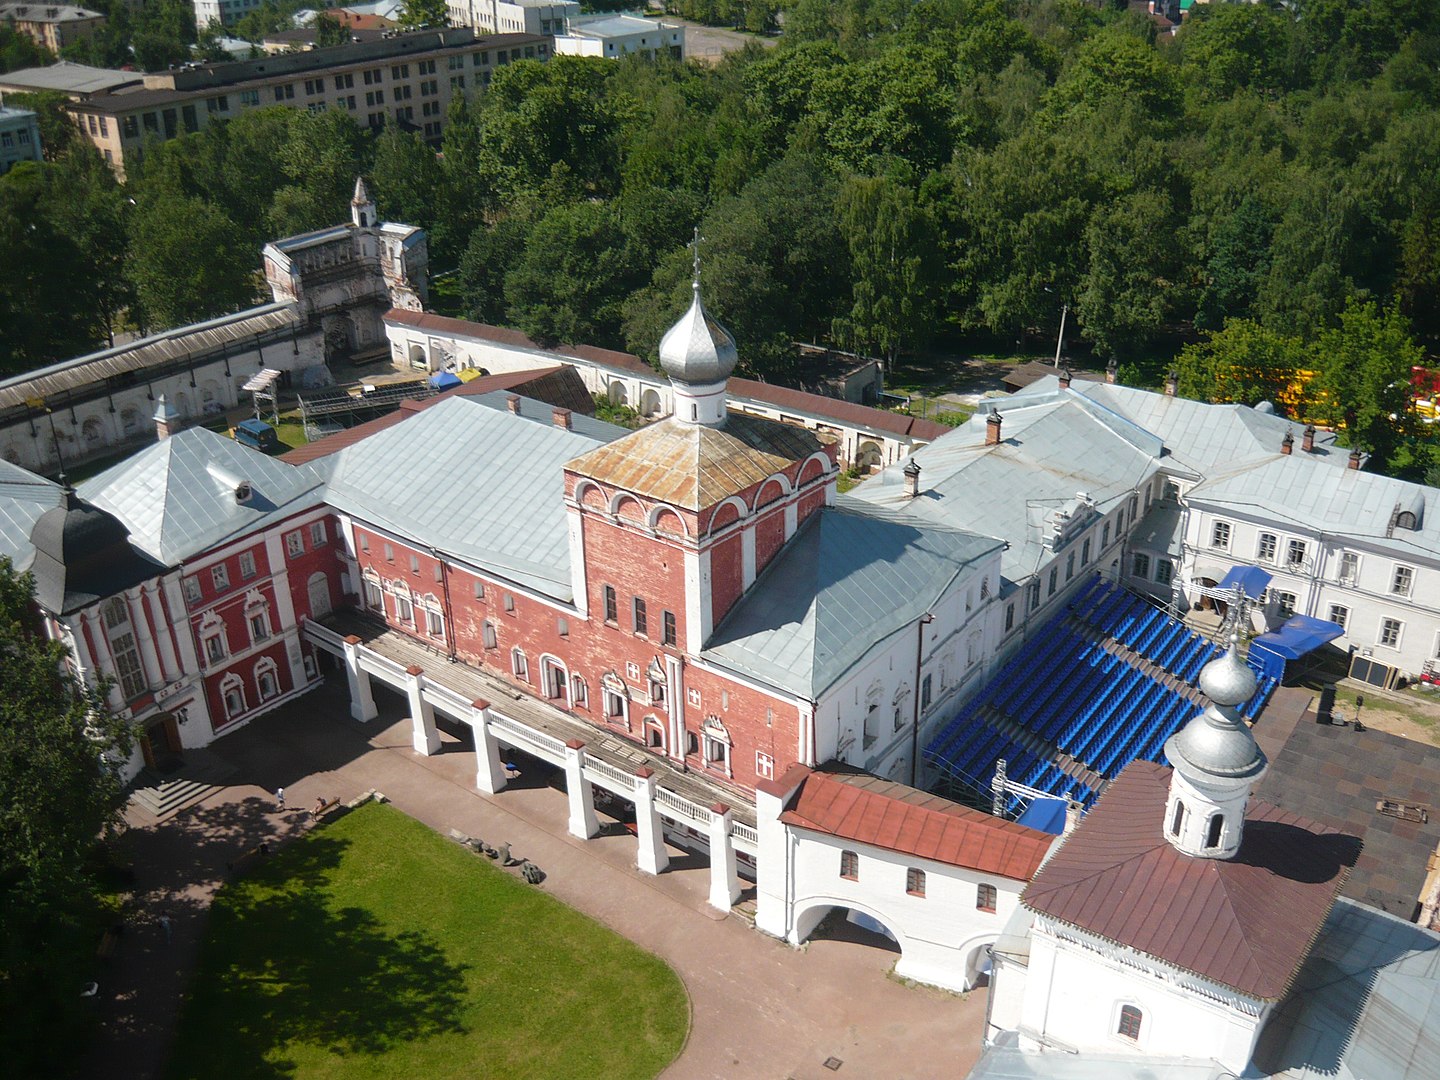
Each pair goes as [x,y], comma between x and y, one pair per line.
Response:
[362,207]
[698,354]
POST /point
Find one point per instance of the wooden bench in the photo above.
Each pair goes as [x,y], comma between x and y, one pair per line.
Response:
[318,812]
[109,943]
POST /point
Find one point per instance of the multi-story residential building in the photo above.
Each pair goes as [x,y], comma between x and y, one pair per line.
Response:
[408,79]
[613,36]
[52,26]
[19,137]
[514,16]
[222,12]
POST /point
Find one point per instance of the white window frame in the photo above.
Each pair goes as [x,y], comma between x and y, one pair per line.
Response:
[1296,552]
[434,623]
[220,577]
[1386,623]
[267,669]
[294,544]
[1221,534]
[318,537]
[519,664]
[194,594]
[1344,620]
[1267,547]
[374,596]
[715,745]
[247,565]
[233,684]
[488,638]
[1402,575]
[1353,577]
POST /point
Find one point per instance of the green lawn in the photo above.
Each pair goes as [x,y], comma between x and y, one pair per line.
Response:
[375,948]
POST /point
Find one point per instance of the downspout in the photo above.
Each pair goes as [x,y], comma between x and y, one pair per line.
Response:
[920,624]
[449,615]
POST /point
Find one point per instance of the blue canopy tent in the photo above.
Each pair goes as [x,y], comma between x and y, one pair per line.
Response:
[1249,579]
[1047,815]
[1300,635]
[445,380]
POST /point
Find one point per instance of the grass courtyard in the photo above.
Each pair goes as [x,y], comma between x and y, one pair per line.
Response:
[375,948]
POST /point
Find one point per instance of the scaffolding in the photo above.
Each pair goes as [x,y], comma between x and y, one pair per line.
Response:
[331,409]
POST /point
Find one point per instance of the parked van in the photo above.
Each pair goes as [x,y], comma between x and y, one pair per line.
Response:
[258,435]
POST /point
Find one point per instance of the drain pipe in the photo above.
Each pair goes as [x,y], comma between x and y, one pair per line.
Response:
[920,624]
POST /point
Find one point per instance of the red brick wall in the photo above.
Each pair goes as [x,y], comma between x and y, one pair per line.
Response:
[245,669]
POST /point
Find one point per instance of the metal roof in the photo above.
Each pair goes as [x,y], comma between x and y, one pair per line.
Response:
[1052,448]
[474,481]
[852,576]
[196,340]
[179,496]
[693,466]
[1006,1062]
[23,498]
[69,78]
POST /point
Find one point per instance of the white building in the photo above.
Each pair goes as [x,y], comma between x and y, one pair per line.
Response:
[612,36]
[514,16]
[222,12]
[19,138]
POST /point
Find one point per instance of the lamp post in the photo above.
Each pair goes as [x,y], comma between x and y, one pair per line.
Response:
[1060,341]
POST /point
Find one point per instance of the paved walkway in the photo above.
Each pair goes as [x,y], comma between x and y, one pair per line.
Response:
[761,1009]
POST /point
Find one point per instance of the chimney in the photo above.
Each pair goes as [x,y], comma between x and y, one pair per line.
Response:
[1307,443]
[561,418]
[512,402]
[1112,372]
[1065,378]
[912,479]
[1172,380]
[992,427]
[1354,462]
[167,420]
[1287,444]
[1074,811]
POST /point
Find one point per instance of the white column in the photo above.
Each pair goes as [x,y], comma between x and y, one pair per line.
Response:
[698,608]
[362,698]
[489,771]
[583,822]
[104,662]
[747,555]
[724,880]
[651,857]
[575,521]
[675,697]
[424,737]
[805,752]
[179,618]
[169,663]
[792,518]
[149,658]
[83,660]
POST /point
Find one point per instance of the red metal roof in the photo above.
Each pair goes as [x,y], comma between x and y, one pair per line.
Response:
[899,818]
[506,336]
[1246,922]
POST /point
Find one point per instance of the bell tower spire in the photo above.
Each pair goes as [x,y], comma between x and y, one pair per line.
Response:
[362,207]
[698,354]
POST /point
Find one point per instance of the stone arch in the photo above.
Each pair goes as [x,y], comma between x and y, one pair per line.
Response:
[620,504]
[618,394]
[417,357]
[763,496]
[977,960]
[583,488]
[821,466]
[591,496]
[130,421]
[649,401]
[92,432]
[728,512]
[811,911]
[868,456]
[664,519]
[339,333]
[555,679]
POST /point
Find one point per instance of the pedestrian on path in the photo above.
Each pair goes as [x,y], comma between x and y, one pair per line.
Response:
[165,925]
[280,798]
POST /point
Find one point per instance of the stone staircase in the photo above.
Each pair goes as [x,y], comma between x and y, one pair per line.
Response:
[196,777]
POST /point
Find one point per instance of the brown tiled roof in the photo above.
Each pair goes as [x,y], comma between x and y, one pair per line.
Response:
[1032,371]
[506,336]
[1246,922]
[559,385]
[847,412]
[692,466]
[899,818]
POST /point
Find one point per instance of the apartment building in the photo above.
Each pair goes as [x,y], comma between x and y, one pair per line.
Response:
[19,138]
[52,26]
[513,16]
[407,79]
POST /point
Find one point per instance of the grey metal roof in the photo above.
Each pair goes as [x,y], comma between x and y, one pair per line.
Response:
[850,578]
[472,480]
[195,340]
[23,498]
[178,497]
[69,78]
[544,413]
[1005,1062]
[1053,447]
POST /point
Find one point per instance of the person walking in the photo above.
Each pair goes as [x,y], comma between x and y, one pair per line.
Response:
[280,798]
[166,926]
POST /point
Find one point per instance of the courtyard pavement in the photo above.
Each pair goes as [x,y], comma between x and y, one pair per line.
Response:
[760,1008]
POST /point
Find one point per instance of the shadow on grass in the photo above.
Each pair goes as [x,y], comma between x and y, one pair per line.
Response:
[285,972]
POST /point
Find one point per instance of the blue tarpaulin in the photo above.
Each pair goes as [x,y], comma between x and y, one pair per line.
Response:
[1047,815]
[445,380]
[1251,579]
[1300,635]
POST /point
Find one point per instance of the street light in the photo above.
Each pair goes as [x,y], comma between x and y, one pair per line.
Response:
[1060,340]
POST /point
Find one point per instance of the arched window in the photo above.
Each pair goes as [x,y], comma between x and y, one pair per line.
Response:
[519,664]
[1177,820]
[1405,520]
[1214,829]
[487,634]
[1130,1019]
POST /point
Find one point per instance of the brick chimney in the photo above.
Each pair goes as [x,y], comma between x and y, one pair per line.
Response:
[513,403]
[1287,444]
[1065,378]
[1307,442]
[912,479]
[1354,462]
[1112,372]
[167,420]
[992,427]
[561,418]
[1172,381]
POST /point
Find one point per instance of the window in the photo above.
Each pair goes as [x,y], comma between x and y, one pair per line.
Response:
[215,648]
[1220,535]
[400,71]
[1085,552]
[123,650]
[579,694]
[220,577]
[487,634]
[259,626]
[374,97]
[870,731]
[1284,603]
[389,553]
[1172,491]
[479,590]
[1213,830]
[509,603]
[249,97]
[1009,617]
[638,611]
[234,700]
[519,665]
[1339,615]
[1295,553]
[1134,507]
[438,572]
[364,543]
[1140,565]
[247,565]
[1105,535]
[1402,580]
[131,127]
[614,704]
[1164,571]
[404,609]
[985,897]
[1390,633]
[1177,819]
[284,93]
[914,881]
[1349,568]
[849,866]
[192,590]
[374,599]
[667,628]
[764,765]
[715,745]
[414,564]
[434,624]
[317,534]
[374,77]
[188,118]
[1054,580]
[315,86]
[925,696]
[1070,566]
[562,627]
[295,545]
[612,608]
[1034,600]
[1130,1018]
[346,82]
[1269,544]
[265,681]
